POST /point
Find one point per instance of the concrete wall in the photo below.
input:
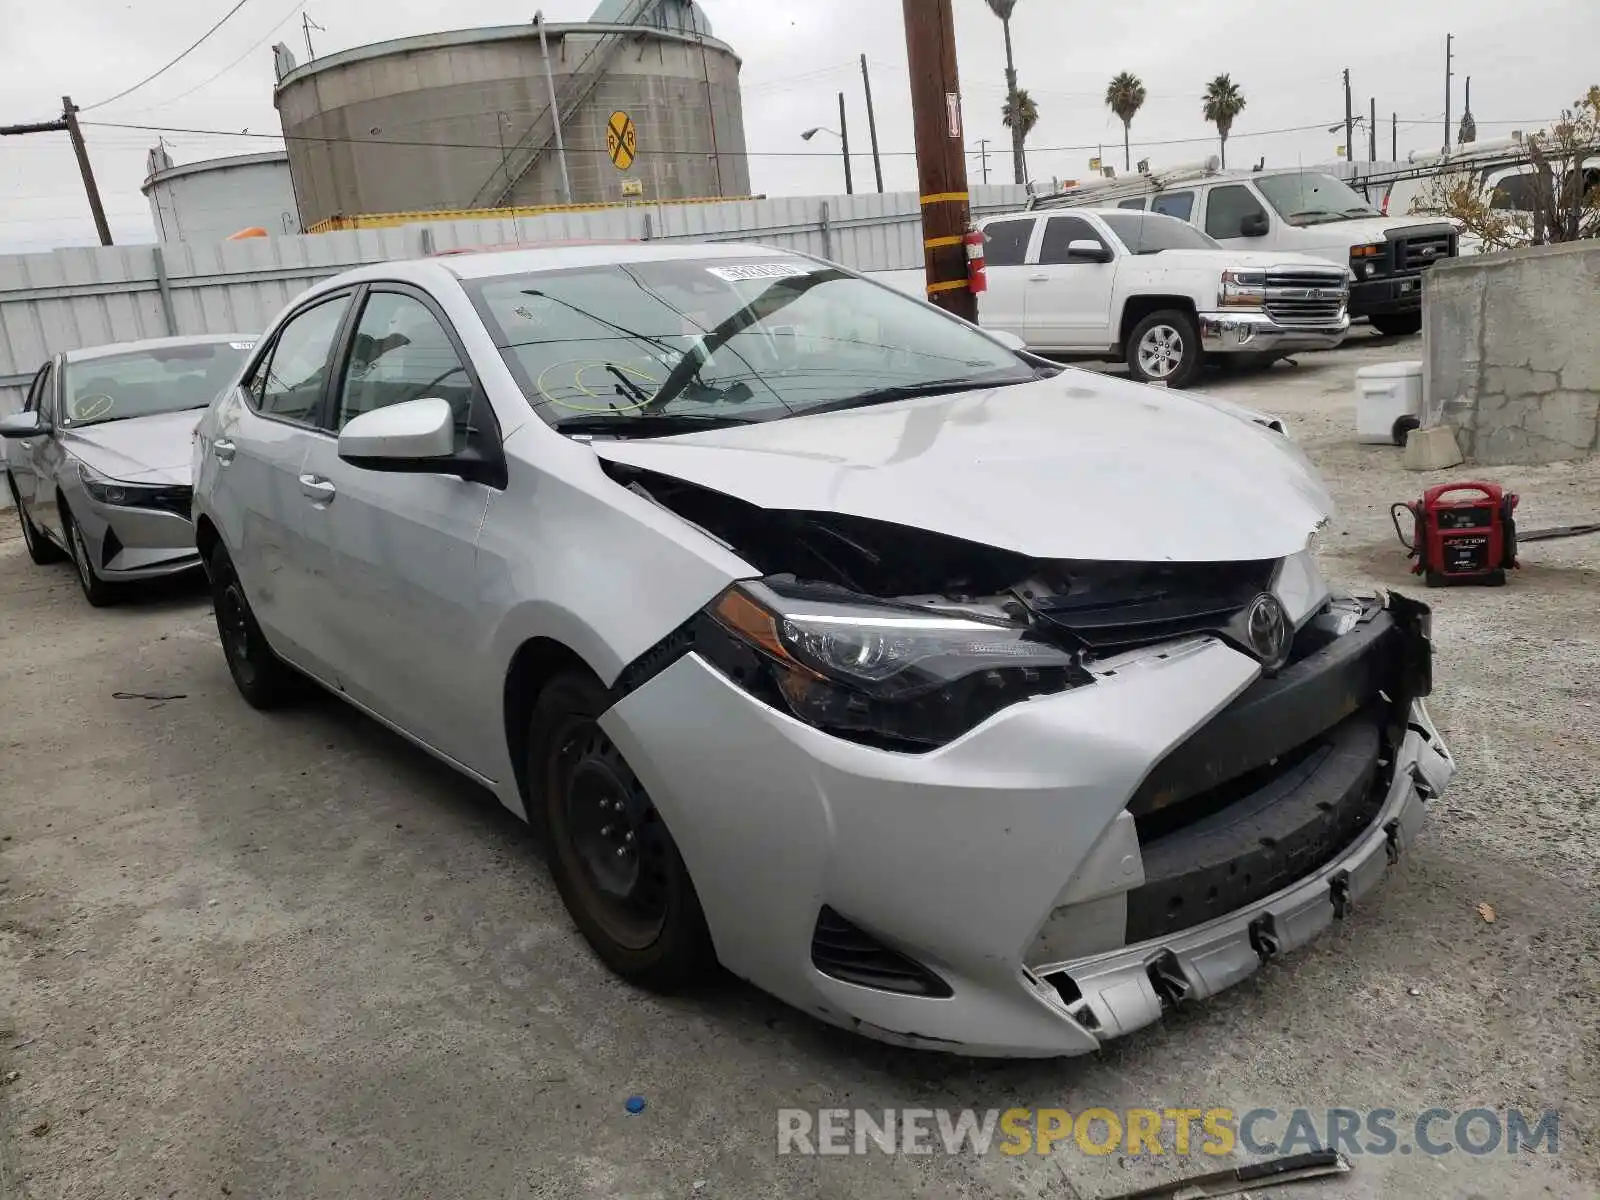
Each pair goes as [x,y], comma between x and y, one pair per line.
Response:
[1513,353]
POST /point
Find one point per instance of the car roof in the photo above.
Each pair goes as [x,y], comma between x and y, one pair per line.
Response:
[90,353]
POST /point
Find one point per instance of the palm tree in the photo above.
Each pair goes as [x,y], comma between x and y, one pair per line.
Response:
[1223,101]
[1125,97]
[1026,108]
[1003,9]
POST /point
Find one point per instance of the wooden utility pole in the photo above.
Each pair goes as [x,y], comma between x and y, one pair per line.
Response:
[68,124]
[1372,131]
[1349,122]
[941,152]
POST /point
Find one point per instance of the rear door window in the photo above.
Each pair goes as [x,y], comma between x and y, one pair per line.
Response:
[1138,203]
[1174,204]
[1006,242]
[290,382]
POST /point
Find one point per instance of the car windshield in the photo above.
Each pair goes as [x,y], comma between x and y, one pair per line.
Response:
[1313,198]
[145,383]
[723,341]
[1151,233]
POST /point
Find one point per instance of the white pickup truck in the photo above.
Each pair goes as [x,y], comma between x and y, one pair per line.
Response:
[1149,289]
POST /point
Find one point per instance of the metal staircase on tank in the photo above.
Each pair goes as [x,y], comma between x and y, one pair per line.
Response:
[572,92]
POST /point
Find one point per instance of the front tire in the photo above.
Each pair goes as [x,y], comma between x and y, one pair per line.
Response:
[617,868]
[1165,348]
[40,548]
[96,591]
[1397,324]
[264,680]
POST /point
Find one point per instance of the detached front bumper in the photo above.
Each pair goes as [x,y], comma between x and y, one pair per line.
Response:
[1252,332]
[1022,867]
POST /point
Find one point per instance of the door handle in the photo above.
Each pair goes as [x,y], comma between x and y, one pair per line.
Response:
[1038,279]
[317,490]
[224,451]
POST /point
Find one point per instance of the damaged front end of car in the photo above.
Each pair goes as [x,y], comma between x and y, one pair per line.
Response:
[1264,816]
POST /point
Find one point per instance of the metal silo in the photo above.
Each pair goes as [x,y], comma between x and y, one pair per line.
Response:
[212,200]
[463,119]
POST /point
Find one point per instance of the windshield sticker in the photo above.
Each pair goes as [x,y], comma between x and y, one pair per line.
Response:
[747,271]
[242,345]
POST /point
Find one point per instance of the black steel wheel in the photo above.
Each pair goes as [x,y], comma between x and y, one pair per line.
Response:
[614,861]
[40,548]
[263,679]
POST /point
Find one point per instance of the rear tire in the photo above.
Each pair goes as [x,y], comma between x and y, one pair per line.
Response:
[1397,324]
[1165,348]
[1402,429]
[96,591]
[264,680]
[617,868]
[40,548]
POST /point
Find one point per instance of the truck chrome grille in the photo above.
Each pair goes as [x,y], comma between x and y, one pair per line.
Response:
[1306,299]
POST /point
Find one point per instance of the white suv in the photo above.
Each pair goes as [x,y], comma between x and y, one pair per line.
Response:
[1151,290]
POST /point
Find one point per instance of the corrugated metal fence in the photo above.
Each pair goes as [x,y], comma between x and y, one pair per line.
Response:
[88,297]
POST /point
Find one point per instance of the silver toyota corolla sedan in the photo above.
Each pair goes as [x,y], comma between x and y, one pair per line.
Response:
[952,696]
[98,460]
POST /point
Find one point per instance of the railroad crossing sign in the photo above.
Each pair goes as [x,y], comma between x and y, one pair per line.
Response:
[622,140]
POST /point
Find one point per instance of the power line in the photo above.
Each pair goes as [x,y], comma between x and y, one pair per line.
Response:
[256,45]
[173,63]
[438,145]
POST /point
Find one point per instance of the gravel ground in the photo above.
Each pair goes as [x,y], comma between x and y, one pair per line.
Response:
[290,956]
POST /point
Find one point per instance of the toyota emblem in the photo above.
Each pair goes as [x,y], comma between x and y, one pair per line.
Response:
[1267,630]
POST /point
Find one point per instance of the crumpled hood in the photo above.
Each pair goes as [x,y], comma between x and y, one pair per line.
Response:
[1079,466]
[139,450]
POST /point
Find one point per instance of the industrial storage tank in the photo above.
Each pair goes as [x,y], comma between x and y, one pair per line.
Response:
[462,120]
[212,200]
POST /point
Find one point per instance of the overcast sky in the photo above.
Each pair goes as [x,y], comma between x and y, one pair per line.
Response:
[1526,60]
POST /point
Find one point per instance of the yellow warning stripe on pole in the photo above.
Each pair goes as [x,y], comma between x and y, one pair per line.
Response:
[940,242]
[951,285]
[946,198]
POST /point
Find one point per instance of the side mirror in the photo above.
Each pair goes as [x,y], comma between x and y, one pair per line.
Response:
[1008,339]
[24,425]
[1086,250]
[1255,225]
[416,435]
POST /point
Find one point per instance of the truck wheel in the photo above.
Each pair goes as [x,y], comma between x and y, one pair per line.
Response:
[1397,324]
[1402,429]
[1165,348]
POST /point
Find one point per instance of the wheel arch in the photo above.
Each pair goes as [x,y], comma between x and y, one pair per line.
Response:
[1139,307]
[535,663]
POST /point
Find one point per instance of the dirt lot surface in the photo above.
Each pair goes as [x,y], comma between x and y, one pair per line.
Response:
[290,956]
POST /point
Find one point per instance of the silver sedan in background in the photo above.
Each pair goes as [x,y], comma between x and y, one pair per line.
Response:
[98,461]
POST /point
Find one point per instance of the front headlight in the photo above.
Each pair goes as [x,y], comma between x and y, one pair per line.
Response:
[117,493]
[898,677]
[1243,289]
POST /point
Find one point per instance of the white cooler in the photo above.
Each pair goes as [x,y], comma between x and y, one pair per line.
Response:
[1388,402]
